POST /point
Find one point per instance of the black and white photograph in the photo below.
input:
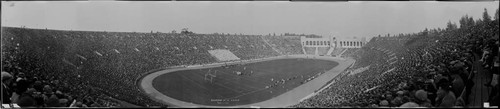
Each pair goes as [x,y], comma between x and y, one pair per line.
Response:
[250,54]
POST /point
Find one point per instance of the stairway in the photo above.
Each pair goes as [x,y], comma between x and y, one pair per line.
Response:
[342,52]
[304,50]
[316,52]
[329,53]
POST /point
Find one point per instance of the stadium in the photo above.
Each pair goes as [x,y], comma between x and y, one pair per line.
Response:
[439,67]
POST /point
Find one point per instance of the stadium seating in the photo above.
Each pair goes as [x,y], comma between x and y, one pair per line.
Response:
[100,65]
[410,68]
[94,68]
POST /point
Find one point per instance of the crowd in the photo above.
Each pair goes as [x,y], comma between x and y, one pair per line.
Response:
[426,69]
[95,69]
[55,68]
[288,45]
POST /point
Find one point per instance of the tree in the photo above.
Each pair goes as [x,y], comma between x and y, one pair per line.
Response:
[486,17]
[451,26]
[471,21]
[464,21]
[186,31]
[425,32]
[496,15]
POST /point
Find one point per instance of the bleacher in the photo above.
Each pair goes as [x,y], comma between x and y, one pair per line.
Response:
[109,63]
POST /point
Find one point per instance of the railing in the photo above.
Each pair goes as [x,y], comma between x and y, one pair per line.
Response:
[464,95]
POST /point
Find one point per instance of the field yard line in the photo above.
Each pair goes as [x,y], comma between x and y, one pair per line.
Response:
[247,93]
[283,100]
[219,85]
[247,86]
[224,85]
[229,88]
[245,79]
[199,85]
[235,78]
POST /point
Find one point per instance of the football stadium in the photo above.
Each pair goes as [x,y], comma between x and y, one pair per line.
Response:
[455,66]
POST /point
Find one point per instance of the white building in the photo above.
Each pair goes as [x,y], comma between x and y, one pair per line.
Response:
[329,45]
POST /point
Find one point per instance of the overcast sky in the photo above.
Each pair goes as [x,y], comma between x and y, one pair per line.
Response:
[340,19]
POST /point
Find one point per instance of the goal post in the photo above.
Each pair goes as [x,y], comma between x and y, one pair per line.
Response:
[209,76]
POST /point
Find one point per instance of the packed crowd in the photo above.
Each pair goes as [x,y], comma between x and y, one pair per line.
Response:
[54,68]
[426,69]
[98,68]
[288,45]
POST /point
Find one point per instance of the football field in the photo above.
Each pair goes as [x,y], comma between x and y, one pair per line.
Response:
[240,84]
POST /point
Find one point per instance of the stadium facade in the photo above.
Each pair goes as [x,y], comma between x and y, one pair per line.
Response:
[329,45]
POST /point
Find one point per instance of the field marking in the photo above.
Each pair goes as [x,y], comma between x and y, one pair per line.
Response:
[237,91]
[247,93]
[219,85]
[246,79]
[283,100]
[246,89]
[201,86]
[225,71]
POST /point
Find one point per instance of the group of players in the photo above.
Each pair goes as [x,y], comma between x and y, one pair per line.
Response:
[275,83]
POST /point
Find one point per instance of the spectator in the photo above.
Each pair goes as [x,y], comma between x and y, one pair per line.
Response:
[27,99]
[6,91]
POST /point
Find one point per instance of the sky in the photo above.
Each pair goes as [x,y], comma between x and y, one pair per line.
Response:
[337,19]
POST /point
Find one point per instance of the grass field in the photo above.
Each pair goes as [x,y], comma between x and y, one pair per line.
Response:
[228,88]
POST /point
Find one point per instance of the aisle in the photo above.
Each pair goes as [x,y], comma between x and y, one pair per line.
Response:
[479,93]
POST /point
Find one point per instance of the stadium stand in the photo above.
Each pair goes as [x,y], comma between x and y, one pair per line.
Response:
[223,55]
[426,69]
[93,68]
[57,68]
[289,45]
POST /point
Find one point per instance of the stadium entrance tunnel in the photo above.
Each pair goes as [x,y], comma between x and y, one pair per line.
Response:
[241,84]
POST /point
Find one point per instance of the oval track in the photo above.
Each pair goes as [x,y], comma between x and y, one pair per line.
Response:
[286,99]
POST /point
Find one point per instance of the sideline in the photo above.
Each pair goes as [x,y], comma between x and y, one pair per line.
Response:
[284,100]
